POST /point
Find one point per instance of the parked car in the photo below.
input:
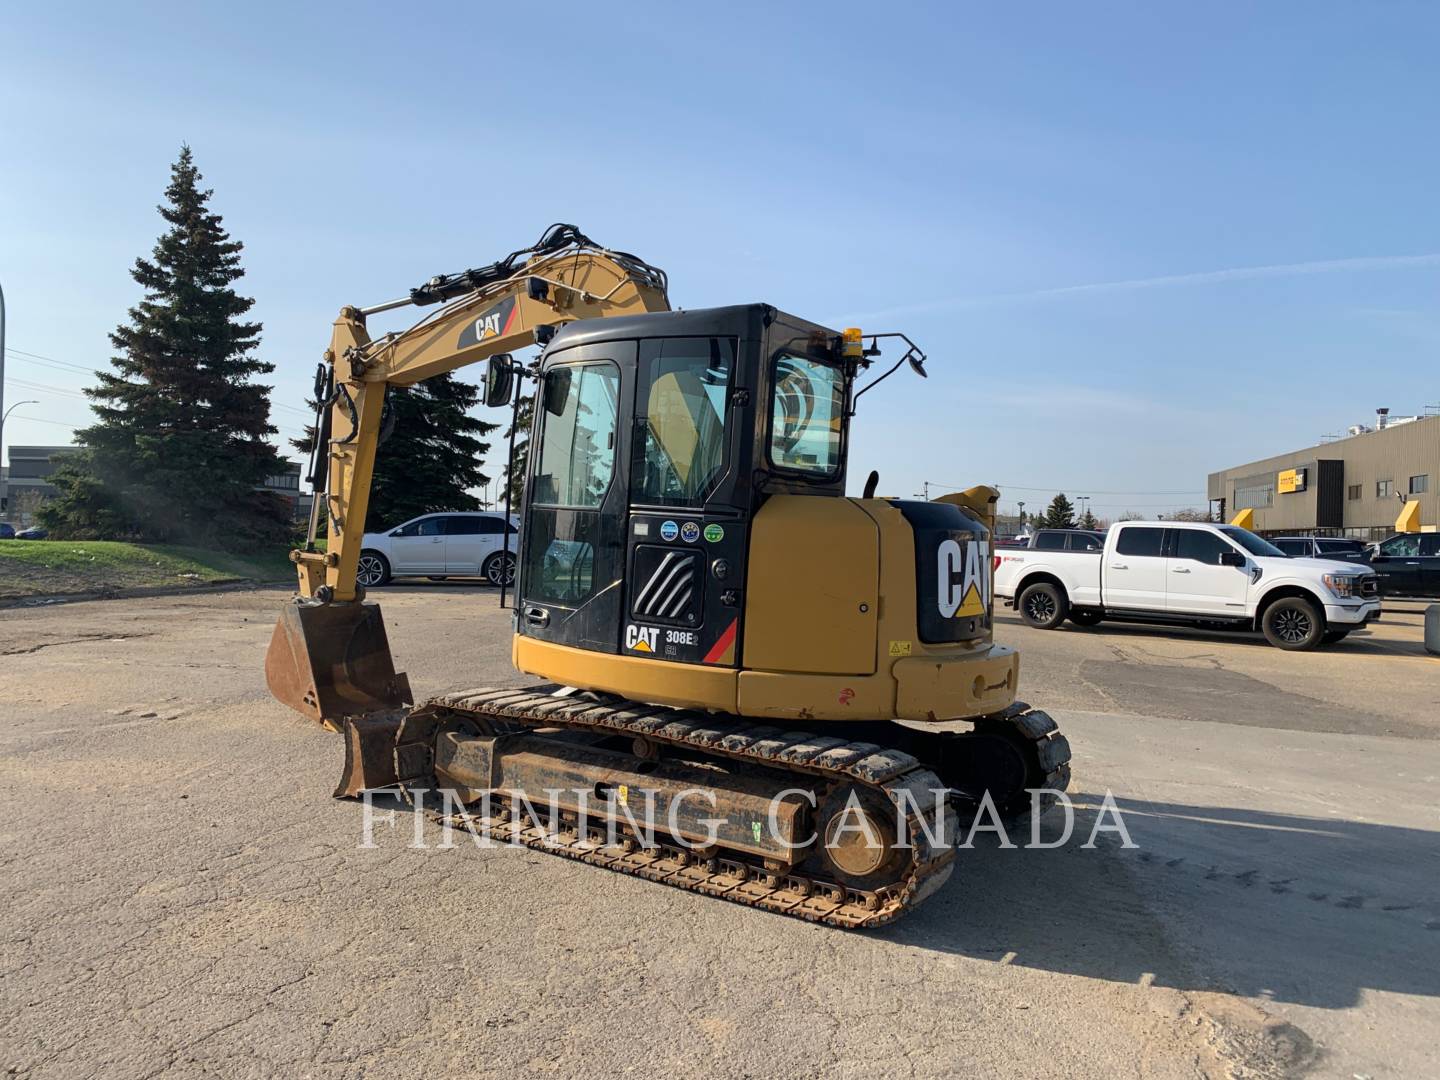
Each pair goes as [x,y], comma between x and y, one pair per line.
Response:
[35,532]
[7,531]
[462,544]
[1408,564]
[1190,573]
[1323,547]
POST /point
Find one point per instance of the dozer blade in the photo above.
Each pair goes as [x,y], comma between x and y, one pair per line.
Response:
[332,661]
[369,755]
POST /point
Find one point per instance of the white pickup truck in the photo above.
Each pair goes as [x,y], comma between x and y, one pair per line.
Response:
[1183,572]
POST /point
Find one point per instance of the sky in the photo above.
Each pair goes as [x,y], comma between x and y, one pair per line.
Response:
[1139,242]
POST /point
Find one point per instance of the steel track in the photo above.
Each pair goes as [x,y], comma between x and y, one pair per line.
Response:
[895,775]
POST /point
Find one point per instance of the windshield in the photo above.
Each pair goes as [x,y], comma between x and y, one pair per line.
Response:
[1252,543]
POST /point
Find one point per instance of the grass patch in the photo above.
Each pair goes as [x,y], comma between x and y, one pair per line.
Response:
[55,567]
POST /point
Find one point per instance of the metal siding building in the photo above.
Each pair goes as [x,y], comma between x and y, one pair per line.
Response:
[1351,485]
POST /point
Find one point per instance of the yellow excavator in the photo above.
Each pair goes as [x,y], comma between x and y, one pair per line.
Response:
[727,644]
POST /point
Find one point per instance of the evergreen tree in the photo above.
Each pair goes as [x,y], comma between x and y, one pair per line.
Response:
[1087,521]
[432,456]
[515,471]
[1059,514]
[180,445]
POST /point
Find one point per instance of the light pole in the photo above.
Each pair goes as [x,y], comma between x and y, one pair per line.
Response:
[5,486]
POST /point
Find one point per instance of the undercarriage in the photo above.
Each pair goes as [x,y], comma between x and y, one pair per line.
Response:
[851,832]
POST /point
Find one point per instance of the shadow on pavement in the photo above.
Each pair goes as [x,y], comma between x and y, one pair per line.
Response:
[1296,909]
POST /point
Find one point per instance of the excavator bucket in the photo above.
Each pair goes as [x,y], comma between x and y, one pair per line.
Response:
[332,661]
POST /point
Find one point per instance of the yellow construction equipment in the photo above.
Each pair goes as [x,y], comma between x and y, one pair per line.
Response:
[729,644]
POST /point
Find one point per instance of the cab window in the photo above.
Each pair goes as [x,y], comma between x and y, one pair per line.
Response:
[1138,540]
[683,398]
[577,439]
[1293,548]
[1082,541]
[1053,541]
[1200,546]
[807,416]
[1402,547]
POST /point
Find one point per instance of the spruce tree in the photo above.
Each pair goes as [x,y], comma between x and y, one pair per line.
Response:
[1059,514]
[432,455]
[515,470]
[1087,521]
[179,446]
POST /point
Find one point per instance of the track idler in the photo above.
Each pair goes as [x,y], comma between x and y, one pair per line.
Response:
[332,661]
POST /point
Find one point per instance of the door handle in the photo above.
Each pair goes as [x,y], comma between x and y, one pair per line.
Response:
[537,616]
[1119,566]
[1181,570]
[438,540]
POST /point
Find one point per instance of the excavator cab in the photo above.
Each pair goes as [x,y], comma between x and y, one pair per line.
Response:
[655,440]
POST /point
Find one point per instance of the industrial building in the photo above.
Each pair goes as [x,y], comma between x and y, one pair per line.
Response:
[1356,485]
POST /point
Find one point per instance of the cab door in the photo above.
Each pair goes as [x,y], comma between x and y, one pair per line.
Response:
[1399,565]
[1430,564]
[1197,584]
[573,558]
[687,529]
[1135,575]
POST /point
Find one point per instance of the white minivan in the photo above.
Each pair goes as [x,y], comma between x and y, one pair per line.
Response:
[460,544]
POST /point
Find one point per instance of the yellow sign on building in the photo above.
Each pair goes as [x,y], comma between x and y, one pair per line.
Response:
[1290,481]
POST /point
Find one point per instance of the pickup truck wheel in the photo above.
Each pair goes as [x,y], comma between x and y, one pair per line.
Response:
[1044,605]
[1332,636]
[1293,623]
[1086,618]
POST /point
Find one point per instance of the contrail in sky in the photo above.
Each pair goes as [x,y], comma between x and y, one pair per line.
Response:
[1206,277]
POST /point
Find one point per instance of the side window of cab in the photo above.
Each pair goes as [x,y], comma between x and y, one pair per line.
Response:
[1401,547]
[1140,540]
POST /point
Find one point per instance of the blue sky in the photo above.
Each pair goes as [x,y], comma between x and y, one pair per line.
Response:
[1139,242]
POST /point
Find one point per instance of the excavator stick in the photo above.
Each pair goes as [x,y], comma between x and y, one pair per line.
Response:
[331,662]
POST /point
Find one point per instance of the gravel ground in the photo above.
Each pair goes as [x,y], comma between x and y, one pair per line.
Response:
[182,898]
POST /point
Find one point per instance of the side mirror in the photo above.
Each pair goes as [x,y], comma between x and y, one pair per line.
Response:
[557,390]
[1232,558]
[499,380]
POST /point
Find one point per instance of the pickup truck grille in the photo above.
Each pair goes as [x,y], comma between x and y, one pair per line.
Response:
[1369,586]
